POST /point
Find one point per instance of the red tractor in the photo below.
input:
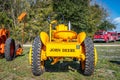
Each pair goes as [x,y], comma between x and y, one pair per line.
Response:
[8,49]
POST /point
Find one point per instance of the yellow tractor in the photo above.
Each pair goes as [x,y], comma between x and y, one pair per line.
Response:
[62,43]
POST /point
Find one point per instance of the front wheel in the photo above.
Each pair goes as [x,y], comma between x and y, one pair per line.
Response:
[37,64]
[9,49]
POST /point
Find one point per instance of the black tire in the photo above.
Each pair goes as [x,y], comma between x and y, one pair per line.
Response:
[89,54]
[36,53]
[9,49]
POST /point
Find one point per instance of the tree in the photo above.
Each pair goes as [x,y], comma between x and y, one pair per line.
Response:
[106,25]
[37,10]
[37,18]
[5,19]
[83,15]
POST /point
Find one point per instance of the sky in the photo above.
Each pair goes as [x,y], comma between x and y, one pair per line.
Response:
[113,8]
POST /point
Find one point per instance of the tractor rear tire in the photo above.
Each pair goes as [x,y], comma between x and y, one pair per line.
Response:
[89,54]
[36,55]
[9,49]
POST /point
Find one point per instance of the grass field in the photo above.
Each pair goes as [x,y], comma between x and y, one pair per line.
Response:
[108,68]
[109,43]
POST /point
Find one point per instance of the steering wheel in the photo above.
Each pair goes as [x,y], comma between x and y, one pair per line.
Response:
[56,16]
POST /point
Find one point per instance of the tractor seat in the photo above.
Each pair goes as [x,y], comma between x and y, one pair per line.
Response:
[65,35]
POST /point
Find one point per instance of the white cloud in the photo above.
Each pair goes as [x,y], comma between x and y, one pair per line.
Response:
[117,20]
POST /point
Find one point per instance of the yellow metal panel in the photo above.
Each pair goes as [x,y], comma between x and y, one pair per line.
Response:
[61,27]
[63,49]
[65,35]
[43,56]
[81,37]
[44,37]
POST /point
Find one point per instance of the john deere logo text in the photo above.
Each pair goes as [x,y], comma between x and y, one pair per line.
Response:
[55,50]
[62,50]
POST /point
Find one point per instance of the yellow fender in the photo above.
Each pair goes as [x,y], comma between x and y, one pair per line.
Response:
[30,56]
[81,37]
[95,56]
[44,37]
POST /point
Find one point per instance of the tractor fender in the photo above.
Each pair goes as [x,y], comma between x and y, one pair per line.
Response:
[81,37]
[30,56]
[44,38]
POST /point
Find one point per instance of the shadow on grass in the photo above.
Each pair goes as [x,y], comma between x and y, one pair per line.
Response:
[1,56]
[65,66]
[115,62]
[19,56]
[99,42]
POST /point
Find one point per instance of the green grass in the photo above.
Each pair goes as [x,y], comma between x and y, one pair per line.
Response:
[108,68]
[110,43]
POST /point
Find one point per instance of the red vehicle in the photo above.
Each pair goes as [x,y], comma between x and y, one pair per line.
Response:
[118,36]
[105,36]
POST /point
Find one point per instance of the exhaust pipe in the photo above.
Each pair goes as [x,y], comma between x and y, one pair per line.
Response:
[69,25]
